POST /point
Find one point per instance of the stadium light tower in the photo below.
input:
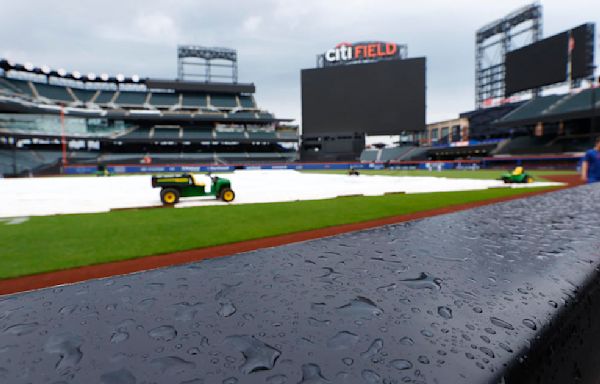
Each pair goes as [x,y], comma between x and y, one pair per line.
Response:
[493,41]
[197,63]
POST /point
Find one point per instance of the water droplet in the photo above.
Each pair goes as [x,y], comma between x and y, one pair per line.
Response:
[387,288]
[501,323]
[311,374]
[67,309]
[477,309]
[348,361]
[230,380]
[119,336]
[406,341]
[194,351]
[426,333]
[361,307]
[21,329]
[374,349]
[445,312]
[342,340]
[370,376]
[423,359]
[258,355]
[487,351]
[318,323]
[401,364]
[423,281]
[122,376]
[277,379]
[505,347]
[66,345]
[227,309]
[164,332]
[186,311]
[529,324]
[172,364]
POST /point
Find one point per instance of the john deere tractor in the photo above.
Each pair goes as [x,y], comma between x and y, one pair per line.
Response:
[186,185]
[518,175]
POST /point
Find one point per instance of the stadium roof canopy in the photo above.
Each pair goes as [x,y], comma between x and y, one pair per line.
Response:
[91,78]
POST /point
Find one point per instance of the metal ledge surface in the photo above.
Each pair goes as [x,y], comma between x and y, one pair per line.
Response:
[506,293]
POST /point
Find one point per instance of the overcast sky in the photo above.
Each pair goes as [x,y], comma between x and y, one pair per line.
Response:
[274,38]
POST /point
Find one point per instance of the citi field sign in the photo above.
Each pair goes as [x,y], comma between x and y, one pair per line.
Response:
[363,51]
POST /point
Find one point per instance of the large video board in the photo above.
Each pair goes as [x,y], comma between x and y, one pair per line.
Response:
[546,62]
[382,98]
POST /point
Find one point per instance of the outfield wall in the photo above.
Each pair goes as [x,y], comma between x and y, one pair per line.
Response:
[134,168]
[536,162]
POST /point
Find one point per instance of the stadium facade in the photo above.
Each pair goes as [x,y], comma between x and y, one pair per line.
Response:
[49,118]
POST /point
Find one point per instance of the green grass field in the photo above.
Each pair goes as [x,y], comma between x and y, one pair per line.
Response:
[50,243]
[454,174]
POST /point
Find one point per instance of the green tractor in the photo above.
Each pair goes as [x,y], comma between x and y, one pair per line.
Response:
[185,185]
[518,175]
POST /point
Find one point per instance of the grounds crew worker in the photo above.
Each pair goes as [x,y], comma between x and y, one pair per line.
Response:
[590,168]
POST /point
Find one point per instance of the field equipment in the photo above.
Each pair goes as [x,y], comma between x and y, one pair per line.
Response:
[186,185]
[353,172]
[518,175]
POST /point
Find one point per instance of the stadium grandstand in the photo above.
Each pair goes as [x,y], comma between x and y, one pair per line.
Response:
[559,127]
[47,114]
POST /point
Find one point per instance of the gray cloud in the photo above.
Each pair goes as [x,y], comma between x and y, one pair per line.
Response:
[274,38]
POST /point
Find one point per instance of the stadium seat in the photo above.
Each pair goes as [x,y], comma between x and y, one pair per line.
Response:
[233,136]
[84,95]
[369,155]
[54,92]
[137,134]
[197,134]
[194,101]
[164,100]
[532,109]
[21,86]
[166,133]
[104,97]
[247,102]
[262,135]
[223,101]
[136,99]
[243,115]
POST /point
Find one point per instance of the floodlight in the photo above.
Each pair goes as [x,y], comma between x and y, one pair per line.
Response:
[61,72]
[76,75]
[120,77]
[91,76]
[135,78]
[45,69]
[28,66]
[104,77]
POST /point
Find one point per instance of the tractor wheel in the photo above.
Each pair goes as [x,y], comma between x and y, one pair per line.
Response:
[169,196]
[529,179]
[227,195]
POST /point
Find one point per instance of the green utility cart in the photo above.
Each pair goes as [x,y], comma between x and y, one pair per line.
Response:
[185,185]
[517,176]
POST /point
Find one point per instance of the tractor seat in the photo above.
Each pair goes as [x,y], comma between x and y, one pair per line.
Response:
[518,171]
[197,183]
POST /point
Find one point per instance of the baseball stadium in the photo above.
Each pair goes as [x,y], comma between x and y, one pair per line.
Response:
[173,229]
